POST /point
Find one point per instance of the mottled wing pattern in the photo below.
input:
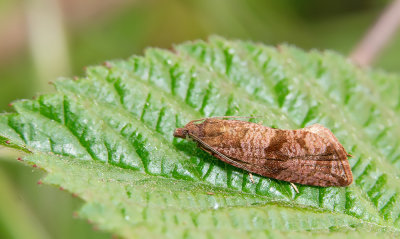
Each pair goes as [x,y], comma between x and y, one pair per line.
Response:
[323,173]
[311,156]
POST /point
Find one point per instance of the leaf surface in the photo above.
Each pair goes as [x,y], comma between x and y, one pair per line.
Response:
[107,137]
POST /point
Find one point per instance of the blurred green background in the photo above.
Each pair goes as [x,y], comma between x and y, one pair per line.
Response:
[43,39]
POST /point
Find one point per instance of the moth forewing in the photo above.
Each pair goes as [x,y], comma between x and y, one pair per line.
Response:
[311,156]
[212,151]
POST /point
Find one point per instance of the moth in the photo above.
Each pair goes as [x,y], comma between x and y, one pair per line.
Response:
[309,156]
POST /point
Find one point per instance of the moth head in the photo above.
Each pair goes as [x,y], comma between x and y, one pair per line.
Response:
[184,132]
[181,133]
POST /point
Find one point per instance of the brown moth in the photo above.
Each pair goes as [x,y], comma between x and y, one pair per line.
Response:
[310,156]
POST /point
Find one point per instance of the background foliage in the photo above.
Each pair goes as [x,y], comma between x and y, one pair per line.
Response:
[124,30]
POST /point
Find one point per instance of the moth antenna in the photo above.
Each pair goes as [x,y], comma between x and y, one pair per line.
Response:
[294,187]
[205,145]
[239,117]
[226,117]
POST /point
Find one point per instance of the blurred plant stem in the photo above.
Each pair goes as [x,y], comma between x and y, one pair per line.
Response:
[47,41]
[378,36]
[16,220]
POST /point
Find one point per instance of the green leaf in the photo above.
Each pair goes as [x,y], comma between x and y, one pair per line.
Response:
[107,138]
